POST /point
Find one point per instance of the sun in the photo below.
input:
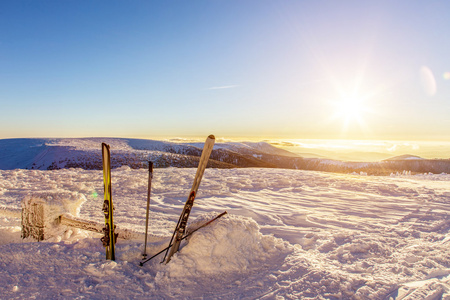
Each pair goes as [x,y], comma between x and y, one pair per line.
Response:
[351,109]
[351,106]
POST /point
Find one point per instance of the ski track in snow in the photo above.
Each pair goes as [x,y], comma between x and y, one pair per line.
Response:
[288,235]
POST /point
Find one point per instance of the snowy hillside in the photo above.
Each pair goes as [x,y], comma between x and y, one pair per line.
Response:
[50,154]
[288,235]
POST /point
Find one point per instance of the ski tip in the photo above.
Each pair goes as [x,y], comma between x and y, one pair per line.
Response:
[211,136]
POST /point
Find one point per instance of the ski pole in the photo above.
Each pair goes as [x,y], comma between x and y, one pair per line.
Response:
[173,235]
[150,176]
[186,236]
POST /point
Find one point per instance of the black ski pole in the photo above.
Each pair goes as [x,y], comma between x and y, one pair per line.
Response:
[150,176]
[173,235]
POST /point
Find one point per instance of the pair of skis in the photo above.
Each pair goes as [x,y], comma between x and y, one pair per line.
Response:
[110,237]
[178,234]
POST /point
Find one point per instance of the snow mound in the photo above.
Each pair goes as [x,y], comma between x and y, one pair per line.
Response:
[56,203]
[40,211]
[232,244]
[424,289]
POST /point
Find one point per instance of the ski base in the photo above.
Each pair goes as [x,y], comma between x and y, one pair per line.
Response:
[184,237]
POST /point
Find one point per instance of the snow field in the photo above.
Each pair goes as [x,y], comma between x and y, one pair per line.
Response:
[288,235]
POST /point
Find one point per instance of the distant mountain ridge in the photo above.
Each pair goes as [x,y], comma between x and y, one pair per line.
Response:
[85,153]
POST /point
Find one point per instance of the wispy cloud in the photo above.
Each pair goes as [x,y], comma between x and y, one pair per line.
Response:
[223,87]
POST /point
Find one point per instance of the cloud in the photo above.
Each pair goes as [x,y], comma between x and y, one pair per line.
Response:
[223,87]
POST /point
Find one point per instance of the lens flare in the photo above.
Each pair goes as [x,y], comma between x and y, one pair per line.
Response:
[428,81]
[446,76]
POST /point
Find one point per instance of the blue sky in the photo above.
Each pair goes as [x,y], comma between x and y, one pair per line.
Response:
[297,69]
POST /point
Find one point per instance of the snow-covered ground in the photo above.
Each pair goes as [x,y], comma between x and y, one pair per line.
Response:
[288,234]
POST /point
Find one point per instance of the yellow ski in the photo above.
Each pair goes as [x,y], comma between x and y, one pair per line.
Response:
[109,240]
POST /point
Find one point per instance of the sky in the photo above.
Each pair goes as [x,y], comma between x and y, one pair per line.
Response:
[269,69]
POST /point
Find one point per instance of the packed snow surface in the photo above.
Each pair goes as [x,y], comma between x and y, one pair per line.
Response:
[288,234]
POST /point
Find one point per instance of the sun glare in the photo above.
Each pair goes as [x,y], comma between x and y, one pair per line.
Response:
[351,111]
[350,108]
